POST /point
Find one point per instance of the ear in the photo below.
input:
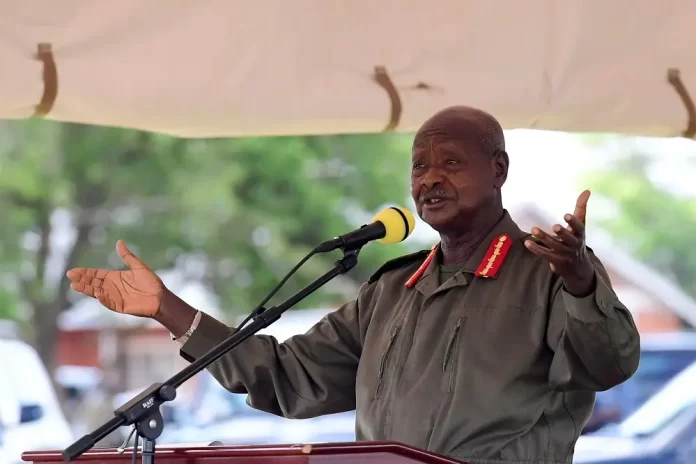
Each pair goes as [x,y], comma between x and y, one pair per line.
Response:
[500,163]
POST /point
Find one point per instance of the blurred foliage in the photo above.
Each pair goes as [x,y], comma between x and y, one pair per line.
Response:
[655,225]
[234,213]
[8,304]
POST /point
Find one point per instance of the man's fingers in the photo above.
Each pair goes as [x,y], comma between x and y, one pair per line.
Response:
[74,274]
[553,243]
[575,225]
[87,280]
[106,296]
[541,251]
[83,288]
[581,206]
[93,277]
[566,236]
[91,274]
[81,274]
[92,282]
[129,258]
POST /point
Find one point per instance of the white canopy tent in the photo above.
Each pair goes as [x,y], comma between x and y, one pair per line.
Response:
[209,68]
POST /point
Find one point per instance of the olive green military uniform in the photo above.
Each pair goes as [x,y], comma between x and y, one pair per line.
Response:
[484,370]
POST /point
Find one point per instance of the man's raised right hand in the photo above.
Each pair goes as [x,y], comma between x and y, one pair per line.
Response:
[137,291]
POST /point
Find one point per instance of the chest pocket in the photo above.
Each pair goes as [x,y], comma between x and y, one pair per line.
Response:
[385,358]
[451,356]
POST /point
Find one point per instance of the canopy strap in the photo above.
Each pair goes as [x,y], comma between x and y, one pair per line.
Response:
[383,80]
[674,78]
[50,80]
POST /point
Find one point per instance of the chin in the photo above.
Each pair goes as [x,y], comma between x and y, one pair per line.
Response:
[440,222]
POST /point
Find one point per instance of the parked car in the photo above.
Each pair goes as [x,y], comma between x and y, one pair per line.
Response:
[663,356]
[662,431]
[30,415]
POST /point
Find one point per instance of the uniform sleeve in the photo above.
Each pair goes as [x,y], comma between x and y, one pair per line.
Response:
[595,341]
[306,376]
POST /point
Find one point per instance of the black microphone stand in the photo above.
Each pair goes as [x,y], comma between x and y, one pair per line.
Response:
[143,410]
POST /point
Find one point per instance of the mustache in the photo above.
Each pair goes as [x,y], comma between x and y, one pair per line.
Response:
[434,194]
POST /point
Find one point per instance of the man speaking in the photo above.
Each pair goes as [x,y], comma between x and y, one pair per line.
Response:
[489,348]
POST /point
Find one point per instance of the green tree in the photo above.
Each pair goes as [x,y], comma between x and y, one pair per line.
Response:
[654,224]
[241,212]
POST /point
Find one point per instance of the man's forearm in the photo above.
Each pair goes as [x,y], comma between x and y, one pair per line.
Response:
[175,314]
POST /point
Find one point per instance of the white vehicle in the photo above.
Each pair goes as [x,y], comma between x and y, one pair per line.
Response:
[30,414]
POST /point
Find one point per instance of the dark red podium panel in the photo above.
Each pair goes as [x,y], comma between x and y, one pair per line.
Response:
[331,453]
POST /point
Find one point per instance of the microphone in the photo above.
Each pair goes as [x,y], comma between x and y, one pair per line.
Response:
[391,225]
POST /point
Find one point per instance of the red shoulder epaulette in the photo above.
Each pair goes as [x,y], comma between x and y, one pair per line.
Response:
[417,275]
[495,256]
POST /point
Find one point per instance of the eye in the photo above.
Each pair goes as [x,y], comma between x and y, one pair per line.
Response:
[451,161]
[418,166]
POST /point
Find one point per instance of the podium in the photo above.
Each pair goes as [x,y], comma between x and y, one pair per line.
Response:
[325,453]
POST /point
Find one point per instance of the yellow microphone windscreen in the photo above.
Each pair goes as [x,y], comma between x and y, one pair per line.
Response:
[398,223]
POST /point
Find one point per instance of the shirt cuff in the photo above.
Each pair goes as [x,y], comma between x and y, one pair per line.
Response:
[194,325]
[208,335]
[595,307]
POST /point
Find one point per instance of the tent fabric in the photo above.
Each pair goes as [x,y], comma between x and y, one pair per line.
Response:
[217,68]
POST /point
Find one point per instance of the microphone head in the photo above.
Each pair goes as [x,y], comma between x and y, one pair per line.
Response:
[398,223]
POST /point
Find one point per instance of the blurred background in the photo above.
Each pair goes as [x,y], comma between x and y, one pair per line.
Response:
[222,221]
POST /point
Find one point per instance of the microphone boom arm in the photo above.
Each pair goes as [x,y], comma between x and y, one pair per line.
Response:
[143,410]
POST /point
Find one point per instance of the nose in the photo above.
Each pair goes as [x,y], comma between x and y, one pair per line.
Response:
[432,178]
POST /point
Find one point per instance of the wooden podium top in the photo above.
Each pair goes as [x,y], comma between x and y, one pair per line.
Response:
[325,453]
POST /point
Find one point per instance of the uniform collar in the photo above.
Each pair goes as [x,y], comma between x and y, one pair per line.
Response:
[429,276]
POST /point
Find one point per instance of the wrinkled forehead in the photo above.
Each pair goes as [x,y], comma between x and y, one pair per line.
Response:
[448,129]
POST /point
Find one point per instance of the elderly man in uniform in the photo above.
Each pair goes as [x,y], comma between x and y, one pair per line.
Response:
[489,348]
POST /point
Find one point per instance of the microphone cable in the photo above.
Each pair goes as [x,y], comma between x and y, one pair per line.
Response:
[260,308]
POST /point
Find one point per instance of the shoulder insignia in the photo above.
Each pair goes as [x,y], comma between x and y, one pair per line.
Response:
[495,256]
[419,272]
[397,263]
